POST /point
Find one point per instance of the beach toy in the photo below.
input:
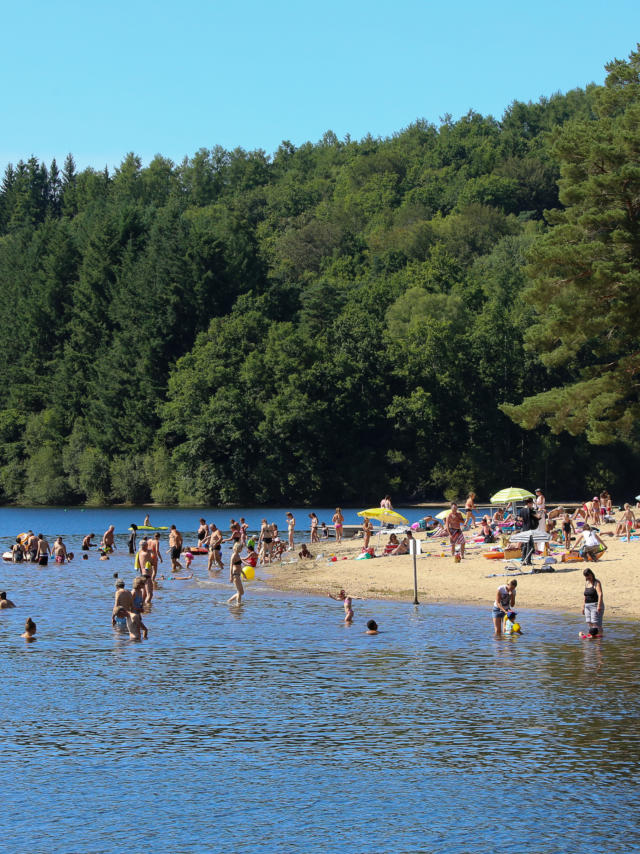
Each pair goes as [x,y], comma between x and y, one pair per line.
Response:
[249,572]
[333,559]
[494,555]
[515,627]
[7,556]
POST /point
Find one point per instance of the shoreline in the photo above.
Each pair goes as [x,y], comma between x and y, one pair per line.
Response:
[473,581]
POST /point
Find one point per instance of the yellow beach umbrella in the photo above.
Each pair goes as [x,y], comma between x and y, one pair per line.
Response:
[511,493]
[384,516]
[443,514]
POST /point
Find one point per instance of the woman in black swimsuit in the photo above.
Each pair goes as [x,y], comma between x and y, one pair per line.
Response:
[203,533]
[235,576]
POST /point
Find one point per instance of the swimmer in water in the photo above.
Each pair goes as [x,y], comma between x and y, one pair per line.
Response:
[372,628]
[4,602]
[347,599]
[147,521]
[29,630]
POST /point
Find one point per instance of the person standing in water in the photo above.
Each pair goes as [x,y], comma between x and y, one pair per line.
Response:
[593,605]
[87,544]
[235,576]
[505,602]
[142,557]
[314,528]
[347,600]
[175,547]
[108,539]
[147,522]
[153,547]
[59,550]
[215,548]
[44,551]
[132,539]
[202,534]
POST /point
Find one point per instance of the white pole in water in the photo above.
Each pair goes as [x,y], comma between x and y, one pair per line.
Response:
[413,549]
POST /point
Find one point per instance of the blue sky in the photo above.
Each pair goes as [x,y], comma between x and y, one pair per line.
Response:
[102,79]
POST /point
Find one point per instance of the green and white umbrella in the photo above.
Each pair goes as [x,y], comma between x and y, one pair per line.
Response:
[510,494]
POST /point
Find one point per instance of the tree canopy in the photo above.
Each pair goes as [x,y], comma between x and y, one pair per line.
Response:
[337,320]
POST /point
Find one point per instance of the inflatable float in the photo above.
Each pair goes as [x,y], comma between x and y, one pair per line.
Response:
[198,550]
[151,528]
[494,555]
[7,556]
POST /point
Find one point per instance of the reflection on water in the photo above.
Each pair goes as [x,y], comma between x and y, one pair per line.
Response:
[275,727]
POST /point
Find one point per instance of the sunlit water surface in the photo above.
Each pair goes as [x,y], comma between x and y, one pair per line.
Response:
[273,727]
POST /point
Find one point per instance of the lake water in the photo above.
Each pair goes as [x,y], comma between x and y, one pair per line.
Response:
[273,727]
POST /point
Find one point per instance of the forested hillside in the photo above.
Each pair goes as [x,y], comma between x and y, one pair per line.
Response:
[326,324]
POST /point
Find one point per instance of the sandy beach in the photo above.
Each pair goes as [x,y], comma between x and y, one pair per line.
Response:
[472,581]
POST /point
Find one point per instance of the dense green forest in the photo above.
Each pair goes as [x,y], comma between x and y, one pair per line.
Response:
[332,322]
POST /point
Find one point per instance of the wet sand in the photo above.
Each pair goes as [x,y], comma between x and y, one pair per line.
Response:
[472,581]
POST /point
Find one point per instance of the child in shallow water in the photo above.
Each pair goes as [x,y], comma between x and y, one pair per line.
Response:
[509,626]
[372,628]
[592,634]
[348,604]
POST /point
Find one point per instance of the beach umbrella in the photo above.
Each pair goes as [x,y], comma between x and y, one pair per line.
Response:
[443,514]
[536,535]
[510,494]
[384,516]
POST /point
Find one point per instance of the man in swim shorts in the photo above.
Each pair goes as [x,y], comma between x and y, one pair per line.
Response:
[175,547]
[44,551]
[453,526]
[108,539]
[215,547]
[86,543]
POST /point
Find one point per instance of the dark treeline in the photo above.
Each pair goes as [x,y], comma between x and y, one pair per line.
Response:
[334,322]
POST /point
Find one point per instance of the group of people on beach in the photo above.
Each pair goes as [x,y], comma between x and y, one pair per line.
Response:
[247,552]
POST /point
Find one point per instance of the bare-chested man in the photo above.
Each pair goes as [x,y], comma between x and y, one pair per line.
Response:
[108,539]
[143,557]
[59,550]
[175,547]
[215,547]
[44,551]
[453,526]
[123,598]
[86,543]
